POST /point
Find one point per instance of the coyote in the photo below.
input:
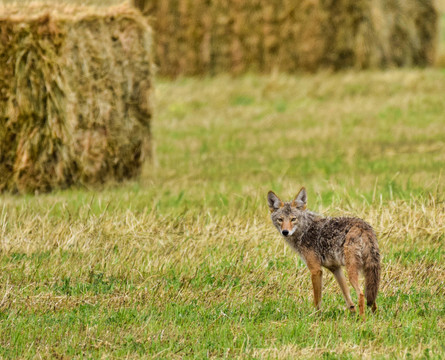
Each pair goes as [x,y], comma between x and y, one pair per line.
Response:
[331,243]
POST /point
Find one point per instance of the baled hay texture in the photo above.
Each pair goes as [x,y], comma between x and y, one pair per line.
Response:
[201,37]
[75,95]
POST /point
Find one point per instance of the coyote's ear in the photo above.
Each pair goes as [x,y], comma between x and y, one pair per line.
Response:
[300,200]
[274,201]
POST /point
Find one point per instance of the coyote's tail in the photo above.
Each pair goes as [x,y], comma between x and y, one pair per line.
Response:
[372,273]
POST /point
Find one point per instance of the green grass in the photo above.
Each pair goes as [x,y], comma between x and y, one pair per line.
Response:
[184,263]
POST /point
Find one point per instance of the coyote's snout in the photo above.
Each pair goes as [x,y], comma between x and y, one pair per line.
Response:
[330,243]
[287,227]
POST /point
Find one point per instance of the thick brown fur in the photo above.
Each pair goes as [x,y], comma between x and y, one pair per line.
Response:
[330,243]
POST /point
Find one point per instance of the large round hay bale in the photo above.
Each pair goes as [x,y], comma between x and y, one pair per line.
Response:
[75,86]
[207,37]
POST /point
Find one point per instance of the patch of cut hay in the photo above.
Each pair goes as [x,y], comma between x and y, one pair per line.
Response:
[75,88]
[207,37]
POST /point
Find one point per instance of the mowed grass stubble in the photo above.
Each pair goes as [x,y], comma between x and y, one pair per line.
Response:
[185,263]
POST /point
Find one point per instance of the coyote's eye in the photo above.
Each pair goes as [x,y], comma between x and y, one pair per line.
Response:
[293,219]
[280,220]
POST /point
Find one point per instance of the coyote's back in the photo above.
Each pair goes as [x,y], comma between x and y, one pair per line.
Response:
[330,243]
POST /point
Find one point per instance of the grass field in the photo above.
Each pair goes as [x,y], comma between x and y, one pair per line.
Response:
[184,263]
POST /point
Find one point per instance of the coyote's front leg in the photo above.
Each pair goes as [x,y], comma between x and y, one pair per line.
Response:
[316,275]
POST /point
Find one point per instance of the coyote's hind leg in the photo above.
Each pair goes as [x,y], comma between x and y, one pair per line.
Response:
[352,269]
[340,277]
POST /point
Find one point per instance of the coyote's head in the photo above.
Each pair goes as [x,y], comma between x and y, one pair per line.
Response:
[286,216]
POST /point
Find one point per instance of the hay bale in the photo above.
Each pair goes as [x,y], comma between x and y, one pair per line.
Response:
[207,37]
[75,86]
[140,4]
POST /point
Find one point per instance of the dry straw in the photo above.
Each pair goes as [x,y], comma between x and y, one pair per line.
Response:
[202,36]
[75,86]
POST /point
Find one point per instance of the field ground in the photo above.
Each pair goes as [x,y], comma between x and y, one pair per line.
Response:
[185,263]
